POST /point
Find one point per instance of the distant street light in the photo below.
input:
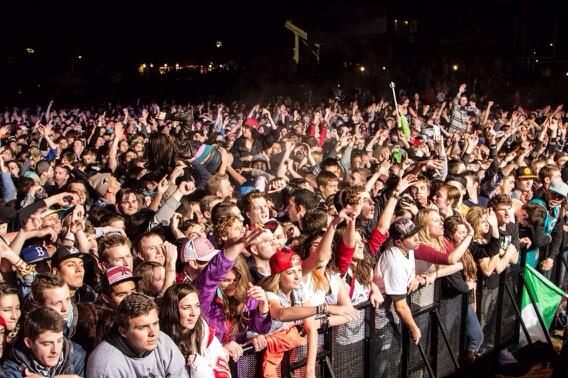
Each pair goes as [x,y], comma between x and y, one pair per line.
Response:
[80,57]
[30,50]
[219,44]
[362,68]
[455,67]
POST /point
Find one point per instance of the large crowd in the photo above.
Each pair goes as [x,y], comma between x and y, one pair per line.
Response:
[158,240]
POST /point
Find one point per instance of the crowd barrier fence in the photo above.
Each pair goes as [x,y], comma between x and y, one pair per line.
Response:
[370,346]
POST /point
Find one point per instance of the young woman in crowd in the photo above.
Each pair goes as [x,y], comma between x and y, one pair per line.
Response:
[491,260]
[435,255]
[464,282]
[10,313]
[180,318]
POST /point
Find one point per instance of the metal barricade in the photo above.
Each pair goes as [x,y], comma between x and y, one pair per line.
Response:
[378,345]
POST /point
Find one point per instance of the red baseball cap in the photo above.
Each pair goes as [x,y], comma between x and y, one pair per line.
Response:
[283,260]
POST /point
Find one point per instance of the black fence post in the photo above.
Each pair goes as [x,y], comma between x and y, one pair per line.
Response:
[369,359]
[463,325]
[500,296]
[405,352]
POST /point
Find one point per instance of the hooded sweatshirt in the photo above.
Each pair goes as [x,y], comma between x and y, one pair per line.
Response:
[114,358]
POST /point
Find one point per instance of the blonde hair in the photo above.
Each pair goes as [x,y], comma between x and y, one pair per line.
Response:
[423,218]
[475,216]
[272,283]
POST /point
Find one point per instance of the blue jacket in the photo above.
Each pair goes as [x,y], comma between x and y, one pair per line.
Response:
[20,358]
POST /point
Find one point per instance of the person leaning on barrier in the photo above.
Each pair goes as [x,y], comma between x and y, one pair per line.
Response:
[395,272]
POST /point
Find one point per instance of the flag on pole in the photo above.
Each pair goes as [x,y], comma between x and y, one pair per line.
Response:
[547,297]
[403,124]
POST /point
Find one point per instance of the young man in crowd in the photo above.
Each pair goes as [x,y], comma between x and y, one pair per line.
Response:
[396,277]
[44,351]
[115,249]
[135,346]
[67,262]
[50,290]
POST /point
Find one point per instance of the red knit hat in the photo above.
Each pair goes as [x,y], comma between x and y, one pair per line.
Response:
[283,260]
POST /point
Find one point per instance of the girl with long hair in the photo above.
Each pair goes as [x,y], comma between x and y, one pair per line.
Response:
[230,303]
[455,230]
[435,255]
[301,302]
[491,260]
[180,318]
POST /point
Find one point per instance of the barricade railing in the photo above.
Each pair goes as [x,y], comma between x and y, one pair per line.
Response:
[378,345]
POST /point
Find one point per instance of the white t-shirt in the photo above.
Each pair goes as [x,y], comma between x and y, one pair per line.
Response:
[318,296]
[394,271]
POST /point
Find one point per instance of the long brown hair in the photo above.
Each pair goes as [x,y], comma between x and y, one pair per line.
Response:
[146,270]
[475,216]
[451,225]
[189,341]
[234,306]
[362,269]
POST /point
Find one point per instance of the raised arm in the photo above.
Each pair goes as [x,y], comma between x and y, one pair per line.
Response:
[113,153]
[323,253]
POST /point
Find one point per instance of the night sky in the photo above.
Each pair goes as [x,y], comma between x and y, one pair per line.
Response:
[119,35]
[107,30]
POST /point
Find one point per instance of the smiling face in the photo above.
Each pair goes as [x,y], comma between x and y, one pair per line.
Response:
[290,279]
[359,248]
[10,310]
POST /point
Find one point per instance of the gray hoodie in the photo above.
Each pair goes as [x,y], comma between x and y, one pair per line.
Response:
[113,358]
